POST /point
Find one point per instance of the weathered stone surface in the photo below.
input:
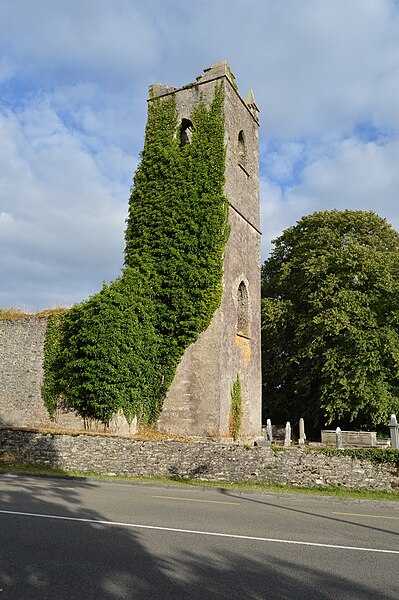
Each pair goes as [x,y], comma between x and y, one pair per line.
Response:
[210,461]
[199,399]
[349,438]
[21,359]
[21,378]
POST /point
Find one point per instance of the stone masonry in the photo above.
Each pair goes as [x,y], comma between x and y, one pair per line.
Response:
[21,357]
[21,378]
[209,461]
[199,399]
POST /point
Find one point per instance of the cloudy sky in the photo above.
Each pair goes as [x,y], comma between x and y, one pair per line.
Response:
[74,77]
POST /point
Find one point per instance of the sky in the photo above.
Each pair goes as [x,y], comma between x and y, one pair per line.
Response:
[74,77]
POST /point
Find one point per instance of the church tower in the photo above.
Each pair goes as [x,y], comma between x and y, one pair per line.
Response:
[199,401]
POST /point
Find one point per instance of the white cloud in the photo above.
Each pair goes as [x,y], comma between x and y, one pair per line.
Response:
[74,79]
[278,212]
[105,117]
[361,175]
[64,219]
[315,66]
[79,37]
[350,173]
[7,69]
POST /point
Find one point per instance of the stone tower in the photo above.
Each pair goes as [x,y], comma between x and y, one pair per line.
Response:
[199,400]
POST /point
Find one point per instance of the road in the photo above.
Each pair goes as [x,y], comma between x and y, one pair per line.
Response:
[78,538]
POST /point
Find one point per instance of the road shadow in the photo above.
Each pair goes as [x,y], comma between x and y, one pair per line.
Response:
[309,513]
[71,559]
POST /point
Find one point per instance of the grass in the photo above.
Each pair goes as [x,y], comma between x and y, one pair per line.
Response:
[17,467]
[143,434]
[12,314]
[387,456]
[249,486]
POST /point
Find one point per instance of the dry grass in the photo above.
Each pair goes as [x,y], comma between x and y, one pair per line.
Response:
[56,310]
[12,314]
[147,434]
[143,434]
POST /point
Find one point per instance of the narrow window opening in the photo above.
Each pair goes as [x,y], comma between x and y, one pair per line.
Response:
[242,310]
[186,132]
[241,149]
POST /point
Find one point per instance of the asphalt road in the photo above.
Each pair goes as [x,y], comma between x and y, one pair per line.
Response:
[91,539]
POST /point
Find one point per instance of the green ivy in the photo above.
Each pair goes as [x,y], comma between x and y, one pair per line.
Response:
[236,409]
[108,353]
[177,226]
[50,388]
[119,350]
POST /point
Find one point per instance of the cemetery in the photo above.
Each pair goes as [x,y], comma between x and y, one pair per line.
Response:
[336,437]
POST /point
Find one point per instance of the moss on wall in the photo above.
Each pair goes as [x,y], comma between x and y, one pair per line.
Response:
[236,409]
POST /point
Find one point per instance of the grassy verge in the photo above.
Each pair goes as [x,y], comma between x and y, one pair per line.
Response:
[249,486]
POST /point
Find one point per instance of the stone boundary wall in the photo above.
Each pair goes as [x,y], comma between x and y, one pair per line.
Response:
[212,461]
[21,377]
[21,358]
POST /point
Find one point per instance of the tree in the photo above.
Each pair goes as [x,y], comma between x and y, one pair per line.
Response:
[330,321]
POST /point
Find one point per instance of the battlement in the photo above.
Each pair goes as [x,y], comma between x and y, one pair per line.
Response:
[216,71]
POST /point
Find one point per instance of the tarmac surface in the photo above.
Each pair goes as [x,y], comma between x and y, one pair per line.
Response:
[81,538]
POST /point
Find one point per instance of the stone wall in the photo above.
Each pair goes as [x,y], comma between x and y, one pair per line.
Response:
[21,359]
[21,378]
[211,461]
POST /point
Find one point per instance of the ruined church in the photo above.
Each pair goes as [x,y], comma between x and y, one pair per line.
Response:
[198,403]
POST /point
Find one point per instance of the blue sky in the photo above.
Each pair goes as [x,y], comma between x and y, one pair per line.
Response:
[74,77]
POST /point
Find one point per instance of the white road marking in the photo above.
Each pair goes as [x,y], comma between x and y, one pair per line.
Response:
[195,532]
[195,500]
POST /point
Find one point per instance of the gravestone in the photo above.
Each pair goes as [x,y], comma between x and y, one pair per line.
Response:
[287,438]
[394,430]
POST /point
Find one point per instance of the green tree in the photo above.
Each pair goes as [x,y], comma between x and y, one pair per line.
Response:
[330,321]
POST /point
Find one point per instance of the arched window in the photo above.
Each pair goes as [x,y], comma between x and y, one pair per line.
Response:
[186,132]
[241,149]
[242,310]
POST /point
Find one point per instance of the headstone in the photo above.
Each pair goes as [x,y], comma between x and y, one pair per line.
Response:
[302,435]
[269,432]
[394,429]
[338,437]
[287,439]
[262,443]
[350,438]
